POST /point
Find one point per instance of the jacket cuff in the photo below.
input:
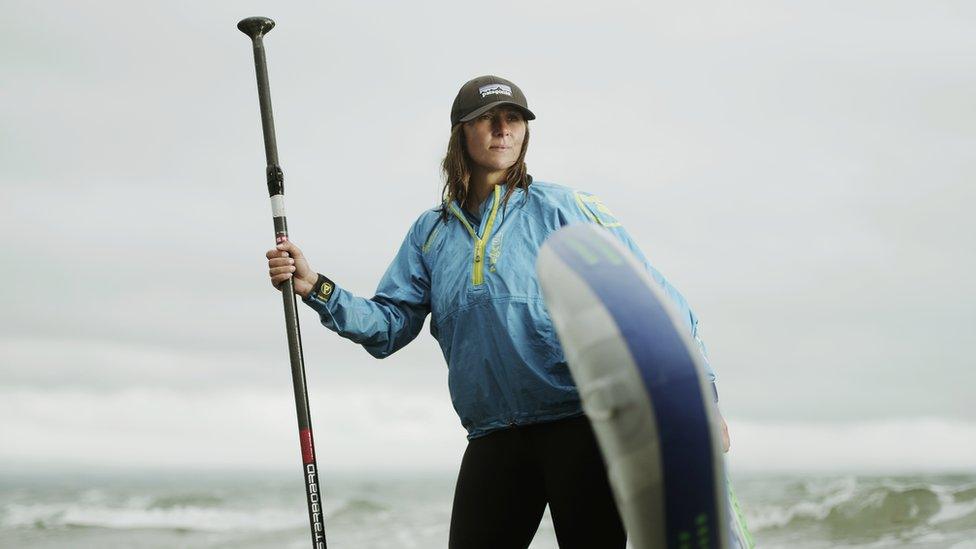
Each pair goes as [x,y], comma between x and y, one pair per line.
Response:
[322,290]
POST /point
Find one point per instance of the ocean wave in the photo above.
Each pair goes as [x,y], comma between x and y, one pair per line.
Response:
[187,511]
[175,517]
[199,500]
[966,494]
[852,508]
[358,506]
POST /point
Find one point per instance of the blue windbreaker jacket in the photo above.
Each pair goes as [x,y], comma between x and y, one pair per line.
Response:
[477,279]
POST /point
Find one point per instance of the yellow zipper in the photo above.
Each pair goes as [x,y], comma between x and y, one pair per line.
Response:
[478,269]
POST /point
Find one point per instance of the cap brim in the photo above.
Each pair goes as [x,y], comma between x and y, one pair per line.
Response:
[483,109]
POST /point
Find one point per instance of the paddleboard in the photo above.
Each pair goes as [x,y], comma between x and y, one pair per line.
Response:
[644,388]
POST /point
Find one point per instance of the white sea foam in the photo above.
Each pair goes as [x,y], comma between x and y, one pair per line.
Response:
[179,518]
[950,509]
[822,499]
[872,511]
[369,511]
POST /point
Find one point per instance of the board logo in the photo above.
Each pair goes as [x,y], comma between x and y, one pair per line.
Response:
[495,89]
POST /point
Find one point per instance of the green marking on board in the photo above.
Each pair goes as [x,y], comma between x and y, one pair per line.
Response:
[740,518]
[587,254]
[612,256]
[591,251]
[703,529]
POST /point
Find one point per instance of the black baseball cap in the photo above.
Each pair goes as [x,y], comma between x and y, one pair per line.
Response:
[484,93]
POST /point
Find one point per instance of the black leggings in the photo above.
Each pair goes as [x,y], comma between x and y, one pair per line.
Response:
[507,478]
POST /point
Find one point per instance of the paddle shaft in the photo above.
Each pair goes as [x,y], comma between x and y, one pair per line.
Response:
[256,28]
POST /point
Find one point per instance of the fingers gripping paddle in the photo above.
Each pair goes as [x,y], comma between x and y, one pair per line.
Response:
[256,28]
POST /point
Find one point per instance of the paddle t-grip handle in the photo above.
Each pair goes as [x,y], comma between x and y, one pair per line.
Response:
[256,27]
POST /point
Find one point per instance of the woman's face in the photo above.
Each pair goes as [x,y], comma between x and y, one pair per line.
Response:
[494,139]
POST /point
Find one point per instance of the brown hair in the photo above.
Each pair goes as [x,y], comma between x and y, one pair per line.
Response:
[457,170]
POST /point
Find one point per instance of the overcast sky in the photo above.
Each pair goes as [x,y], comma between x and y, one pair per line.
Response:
[803,172]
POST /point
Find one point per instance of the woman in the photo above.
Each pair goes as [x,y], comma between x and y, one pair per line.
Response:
[470,263]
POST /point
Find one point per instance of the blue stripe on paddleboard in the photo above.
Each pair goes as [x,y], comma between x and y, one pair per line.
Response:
[669,377]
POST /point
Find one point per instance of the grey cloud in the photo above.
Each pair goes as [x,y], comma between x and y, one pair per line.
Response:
[802,174]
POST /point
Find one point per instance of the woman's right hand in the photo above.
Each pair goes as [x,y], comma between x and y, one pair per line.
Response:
[287,261]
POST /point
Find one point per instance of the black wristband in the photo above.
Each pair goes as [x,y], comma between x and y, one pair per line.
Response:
[323,288]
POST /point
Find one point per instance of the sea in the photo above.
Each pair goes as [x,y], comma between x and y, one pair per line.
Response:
[412,510]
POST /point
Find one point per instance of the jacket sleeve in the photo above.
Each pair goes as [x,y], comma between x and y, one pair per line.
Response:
[592,209]
[391,318]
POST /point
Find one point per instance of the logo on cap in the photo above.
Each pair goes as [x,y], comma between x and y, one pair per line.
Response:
[495,89]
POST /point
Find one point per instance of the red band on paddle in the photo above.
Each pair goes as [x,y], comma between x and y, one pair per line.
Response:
[308,449]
